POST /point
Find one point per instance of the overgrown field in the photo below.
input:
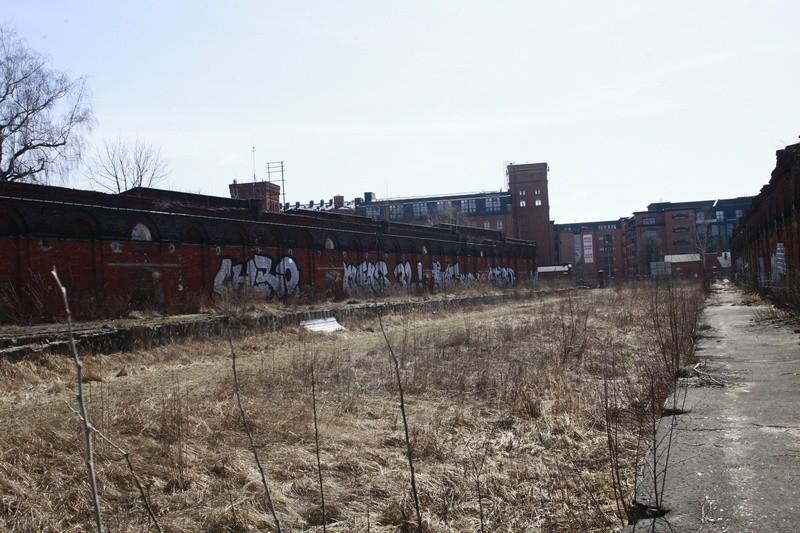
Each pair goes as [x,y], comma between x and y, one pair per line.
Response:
[528,417]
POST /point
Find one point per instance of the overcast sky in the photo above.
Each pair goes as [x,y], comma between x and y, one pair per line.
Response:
[628,102]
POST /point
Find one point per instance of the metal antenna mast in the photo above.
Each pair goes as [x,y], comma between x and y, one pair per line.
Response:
[275,167]
[254,163]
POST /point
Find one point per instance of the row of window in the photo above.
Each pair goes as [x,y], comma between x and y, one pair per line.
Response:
[498,225]
[469,206]
[715,230]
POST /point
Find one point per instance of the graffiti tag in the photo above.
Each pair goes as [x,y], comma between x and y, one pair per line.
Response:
[402,273]
[365,275]
[259,273]
[502,276]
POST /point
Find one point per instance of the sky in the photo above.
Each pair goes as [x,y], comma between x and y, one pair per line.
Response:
[628,102]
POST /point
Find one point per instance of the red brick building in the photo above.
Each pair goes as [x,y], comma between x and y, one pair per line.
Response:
[530,212]
[766,243]
[591,247]
[682,229]
[522,212]
[170,251]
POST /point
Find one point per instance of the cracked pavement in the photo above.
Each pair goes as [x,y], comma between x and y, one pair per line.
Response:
[734,456]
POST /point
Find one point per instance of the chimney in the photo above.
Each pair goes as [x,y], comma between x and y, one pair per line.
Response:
[369,197]
[338,201]
[266,194]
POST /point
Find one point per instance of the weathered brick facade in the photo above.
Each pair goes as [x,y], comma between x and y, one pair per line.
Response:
[766,243]
[173,251]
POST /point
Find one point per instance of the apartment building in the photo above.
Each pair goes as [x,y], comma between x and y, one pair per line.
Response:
[486,210]
[680,232]
[690,235]
[522,212]
[591,247]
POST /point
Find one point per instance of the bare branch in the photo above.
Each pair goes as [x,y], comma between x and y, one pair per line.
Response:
[253,448]
[126,163]
[44,115]
[84,415]
[127,457]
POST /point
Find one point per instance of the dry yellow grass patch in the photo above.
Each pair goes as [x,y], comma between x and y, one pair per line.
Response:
[506,411]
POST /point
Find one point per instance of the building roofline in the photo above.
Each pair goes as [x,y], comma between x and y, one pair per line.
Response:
[454,196]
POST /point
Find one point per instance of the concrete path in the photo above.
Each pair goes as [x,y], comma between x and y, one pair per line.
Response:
[734,462]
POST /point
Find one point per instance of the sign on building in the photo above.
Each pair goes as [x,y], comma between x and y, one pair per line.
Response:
[588,249]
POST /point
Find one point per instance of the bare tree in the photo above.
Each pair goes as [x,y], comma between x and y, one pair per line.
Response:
[126,163]
[649,252]
[44,114]
[448,214]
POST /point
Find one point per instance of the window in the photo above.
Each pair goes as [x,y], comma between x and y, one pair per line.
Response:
[395,211]
[329,244]
[680,216]
[651,233]
[649,221]
[538,202]
[141,232]
[493,203]
[608,239]
[468,206]
[681,242]
[720,216]
[487,225]
[420,209]
[715,230]
[537,192]
[680,229]
[522,203]
[499,225]
[522,193]
[374,212]
[739,213]
[700,216]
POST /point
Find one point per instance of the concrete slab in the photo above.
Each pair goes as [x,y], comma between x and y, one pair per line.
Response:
[323,325]
[734,457]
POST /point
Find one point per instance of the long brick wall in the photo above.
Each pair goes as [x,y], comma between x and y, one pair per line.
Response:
[176,252]
[766,245]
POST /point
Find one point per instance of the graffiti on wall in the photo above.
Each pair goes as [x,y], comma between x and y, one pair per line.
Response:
[369,275]
[443,277]
[402,273]
[259,273]
[366,275]
[502,276]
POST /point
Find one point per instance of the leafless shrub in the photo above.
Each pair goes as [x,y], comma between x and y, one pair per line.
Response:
[83,413]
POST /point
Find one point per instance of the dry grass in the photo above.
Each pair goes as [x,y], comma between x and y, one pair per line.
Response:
[505,407]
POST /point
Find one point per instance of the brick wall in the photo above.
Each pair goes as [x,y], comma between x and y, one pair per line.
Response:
[174,252]
[765,247]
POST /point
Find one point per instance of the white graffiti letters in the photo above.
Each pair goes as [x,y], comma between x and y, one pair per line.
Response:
[375,276]
[443,278]
[260,274]
[502,276]
[402,273]
[365,275]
